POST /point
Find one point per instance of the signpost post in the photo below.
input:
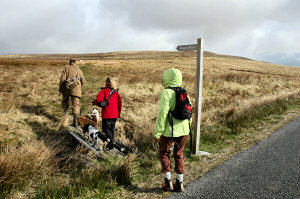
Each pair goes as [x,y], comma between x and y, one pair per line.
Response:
[198,92]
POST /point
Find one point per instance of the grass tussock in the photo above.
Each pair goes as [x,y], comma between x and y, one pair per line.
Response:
[97,181]
[7,104]
[27,166]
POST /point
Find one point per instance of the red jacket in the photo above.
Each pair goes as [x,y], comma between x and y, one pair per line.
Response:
[113,109]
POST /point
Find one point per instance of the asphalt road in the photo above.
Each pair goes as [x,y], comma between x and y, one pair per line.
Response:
[269,169]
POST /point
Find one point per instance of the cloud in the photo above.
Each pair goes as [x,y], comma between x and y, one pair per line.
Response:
[256,29]
[246,28]
[34,26]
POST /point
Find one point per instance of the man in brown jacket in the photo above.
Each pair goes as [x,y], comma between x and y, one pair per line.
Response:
[71,71]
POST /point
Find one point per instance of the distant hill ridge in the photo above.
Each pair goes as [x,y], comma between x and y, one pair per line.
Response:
[121,55]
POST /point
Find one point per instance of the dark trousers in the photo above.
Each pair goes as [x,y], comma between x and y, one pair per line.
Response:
[165,143]
[108,127]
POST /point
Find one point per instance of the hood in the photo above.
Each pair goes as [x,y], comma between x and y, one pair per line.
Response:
[172,78]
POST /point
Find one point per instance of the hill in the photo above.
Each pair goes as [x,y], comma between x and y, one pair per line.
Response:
[243,101]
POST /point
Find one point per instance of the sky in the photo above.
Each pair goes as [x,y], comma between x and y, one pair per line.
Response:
[265,30]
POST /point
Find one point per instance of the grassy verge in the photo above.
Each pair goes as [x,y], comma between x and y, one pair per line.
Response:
[234,123]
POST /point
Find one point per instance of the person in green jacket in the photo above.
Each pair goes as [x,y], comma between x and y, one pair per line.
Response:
[163,132]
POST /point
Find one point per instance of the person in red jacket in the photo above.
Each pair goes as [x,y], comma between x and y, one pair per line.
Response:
[112,111]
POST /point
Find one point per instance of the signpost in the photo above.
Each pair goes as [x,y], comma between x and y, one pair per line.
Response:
[187,47]
[198,92]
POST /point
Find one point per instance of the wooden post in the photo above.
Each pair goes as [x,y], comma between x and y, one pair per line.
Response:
[198,97]
[198,92]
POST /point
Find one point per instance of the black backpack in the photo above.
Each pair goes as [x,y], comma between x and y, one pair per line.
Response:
[182,110]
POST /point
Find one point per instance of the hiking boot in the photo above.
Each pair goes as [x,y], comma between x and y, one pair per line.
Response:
[168,185]
[178,186]
[110,145]
[75,122]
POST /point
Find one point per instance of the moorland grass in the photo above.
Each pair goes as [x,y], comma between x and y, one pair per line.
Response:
[238,94]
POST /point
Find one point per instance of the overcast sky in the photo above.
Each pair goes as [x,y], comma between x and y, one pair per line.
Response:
[266,30]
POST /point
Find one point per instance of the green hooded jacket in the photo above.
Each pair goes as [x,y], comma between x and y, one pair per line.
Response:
[171,78]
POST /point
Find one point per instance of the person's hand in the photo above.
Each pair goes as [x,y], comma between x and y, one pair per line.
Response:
[59,94]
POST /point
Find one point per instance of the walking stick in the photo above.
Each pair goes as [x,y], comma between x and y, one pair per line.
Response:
[130,123]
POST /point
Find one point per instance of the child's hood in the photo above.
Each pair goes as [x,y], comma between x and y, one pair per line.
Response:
[172,78]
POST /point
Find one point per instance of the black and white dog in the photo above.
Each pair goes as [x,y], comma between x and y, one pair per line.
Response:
[95,137]
[99,140]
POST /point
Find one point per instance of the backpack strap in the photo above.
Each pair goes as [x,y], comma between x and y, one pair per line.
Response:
[111,92]
[169,113]
[191,140]
[171,122]
[78,75]
[173,88]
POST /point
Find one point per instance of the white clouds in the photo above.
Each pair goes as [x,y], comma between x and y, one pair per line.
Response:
[245,28]
[39,26]
[256,29]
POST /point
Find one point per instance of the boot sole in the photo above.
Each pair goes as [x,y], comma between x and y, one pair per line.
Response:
[164,188]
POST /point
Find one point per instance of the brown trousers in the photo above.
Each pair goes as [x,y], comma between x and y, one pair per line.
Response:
[75,103]
[165,143]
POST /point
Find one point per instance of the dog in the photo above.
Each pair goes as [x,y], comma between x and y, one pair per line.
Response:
[95,137]
[83,121]
[95,115]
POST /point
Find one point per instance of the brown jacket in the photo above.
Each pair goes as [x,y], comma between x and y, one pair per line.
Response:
[68,72]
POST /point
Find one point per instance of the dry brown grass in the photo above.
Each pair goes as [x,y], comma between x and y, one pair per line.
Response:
[26,165]
[30,106]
